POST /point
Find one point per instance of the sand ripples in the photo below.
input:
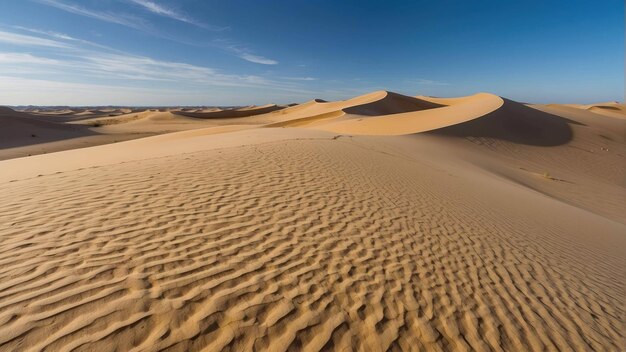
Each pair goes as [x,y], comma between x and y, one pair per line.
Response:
[290,246]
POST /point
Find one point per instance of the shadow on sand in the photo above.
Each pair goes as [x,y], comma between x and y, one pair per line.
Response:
[517,123]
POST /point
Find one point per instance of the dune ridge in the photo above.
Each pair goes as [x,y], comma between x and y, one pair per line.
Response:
[611,108]
[22,129]
[417,121]
[231,113]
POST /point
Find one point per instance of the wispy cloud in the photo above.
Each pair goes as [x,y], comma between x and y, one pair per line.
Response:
[123,19]
[126,67]
[27,40]
[65,37]
[52,34]
[117,18]
[257,59]
[300,78]
[80,58]
[144,26]
[144,68]
[243,52]
[51,59]
[161,10]
[25,91]
[173,14]
[25,58]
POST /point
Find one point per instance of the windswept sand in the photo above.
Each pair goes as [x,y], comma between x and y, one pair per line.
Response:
[324,226]
[32,133]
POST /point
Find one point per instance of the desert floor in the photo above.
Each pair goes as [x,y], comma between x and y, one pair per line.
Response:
[383,222]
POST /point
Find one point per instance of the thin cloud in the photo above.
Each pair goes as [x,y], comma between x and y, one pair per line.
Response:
[242,52]
[257,59]
[65,37]
[161,10]
[141,25]
[117,18]
[29,91]
[52,34]
[77,60]
[27,40]
[301,78]
[173,14]
[23,91]
[77,63]
[127,67]
[25,58]
[74,58]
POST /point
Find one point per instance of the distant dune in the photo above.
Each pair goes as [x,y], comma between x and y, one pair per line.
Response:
[379,223]
[231,113]
[612,108]
[20,129]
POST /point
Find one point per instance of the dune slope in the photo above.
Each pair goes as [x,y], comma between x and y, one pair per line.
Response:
[487,233]
[307,243]
[20,129]
[231,113]
[399,123]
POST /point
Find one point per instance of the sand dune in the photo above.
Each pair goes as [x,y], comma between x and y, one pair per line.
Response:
[324,226]
[231,113]
[84,113]
[76,114]
[25,134]
[416,121]
[155,122]
[514,122]
[318,111]
[22,129]
[611,108]
[149,116]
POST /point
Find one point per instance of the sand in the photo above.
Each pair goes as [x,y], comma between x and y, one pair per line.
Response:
[27,133]
[378,223]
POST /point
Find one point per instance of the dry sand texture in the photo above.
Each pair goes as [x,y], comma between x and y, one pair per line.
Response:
[39,132]
[324,226]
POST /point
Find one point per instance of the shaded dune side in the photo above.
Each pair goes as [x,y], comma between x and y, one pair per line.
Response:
[317,111]
[308,121]
[479,115]
[462,110]
[20,129]
[607,127]
[609,109]
[230,113]
[391,103]
[609,106]
[114,120]
[148,116]
[515,122]
[306,109]
[81,114]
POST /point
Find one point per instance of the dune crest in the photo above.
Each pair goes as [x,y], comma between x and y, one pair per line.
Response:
[231,113]
[399,123]
[18,129]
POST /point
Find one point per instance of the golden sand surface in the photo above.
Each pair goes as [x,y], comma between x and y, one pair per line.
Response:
[378,223]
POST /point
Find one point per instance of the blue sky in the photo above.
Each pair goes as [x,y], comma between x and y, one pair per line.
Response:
[233,52]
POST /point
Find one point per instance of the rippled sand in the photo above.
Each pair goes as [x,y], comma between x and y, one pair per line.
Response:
[484,234]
